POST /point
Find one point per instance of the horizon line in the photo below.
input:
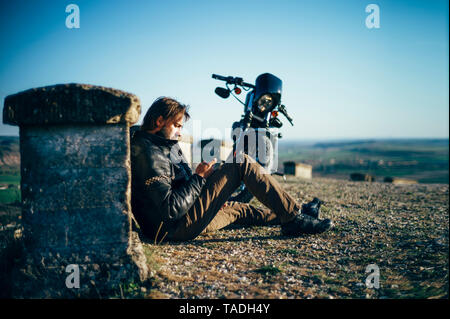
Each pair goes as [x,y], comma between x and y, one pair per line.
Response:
[332,138]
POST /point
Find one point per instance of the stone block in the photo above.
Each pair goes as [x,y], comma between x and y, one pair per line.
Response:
[76,189]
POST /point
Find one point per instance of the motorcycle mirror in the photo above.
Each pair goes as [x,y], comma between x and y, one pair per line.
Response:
[222,92]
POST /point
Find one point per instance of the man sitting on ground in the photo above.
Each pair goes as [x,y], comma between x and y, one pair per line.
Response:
[171,203]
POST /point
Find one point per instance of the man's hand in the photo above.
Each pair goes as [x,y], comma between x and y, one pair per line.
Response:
[205,169]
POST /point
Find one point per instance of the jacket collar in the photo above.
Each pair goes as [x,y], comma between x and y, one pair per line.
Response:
[156,139]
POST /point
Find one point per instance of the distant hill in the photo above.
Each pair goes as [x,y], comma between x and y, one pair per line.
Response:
[9,153]
[424,160]
[399,142]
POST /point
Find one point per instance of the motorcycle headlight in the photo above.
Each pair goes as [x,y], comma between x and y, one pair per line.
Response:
[265,102]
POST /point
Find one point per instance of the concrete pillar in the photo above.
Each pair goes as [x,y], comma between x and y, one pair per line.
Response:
[76,189]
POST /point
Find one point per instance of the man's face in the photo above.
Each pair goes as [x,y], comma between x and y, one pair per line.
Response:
[172,128]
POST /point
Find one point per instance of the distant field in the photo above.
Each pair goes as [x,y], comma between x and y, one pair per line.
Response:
[10,179]
[9,169]
[12,193]
[424,160]
[8,196]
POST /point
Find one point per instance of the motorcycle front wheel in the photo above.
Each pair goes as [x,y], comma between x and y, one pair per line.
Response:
[242,195]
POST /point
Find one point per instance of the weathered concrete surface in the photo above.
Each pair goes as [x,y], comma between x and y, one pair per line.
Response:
[76,184]
[71,103]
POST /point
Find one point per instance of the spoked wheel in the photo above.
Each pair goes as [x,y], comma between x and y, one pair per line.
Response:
[242,194]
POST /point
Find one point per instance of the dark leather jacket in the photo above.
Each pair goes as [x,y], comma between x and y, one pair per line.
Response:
[163,187]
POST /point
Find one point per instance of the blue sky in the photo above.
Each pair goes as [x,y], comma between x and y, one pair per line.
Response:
[340,79]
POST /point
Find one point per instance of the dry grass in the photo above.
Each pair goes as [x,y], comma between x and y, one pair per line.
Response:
[403,229]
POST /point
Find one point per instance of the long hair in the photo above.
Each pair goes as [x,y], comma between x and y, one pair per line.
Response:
[166,107]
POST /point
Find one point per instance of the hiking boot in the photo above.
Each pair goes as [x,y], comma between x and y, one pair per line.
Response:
[312,208]
[305,224]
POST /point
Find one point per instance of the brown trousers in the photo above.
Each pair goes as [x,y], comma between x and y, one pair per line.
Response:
[211,211]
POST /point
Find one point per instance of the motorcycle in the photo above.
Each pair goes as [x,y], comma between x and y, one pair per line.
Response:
[257,132]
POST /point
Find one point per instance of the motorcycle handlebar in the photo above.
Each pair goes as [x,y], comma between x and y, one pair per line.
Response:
[220,77]
[233,80]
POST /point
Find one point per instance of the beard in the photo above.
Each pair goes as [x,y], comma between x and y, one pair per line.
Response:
[164,132]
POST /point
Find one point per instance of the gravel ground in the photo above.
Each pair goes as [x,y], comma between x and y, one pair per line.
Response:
[402,229]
